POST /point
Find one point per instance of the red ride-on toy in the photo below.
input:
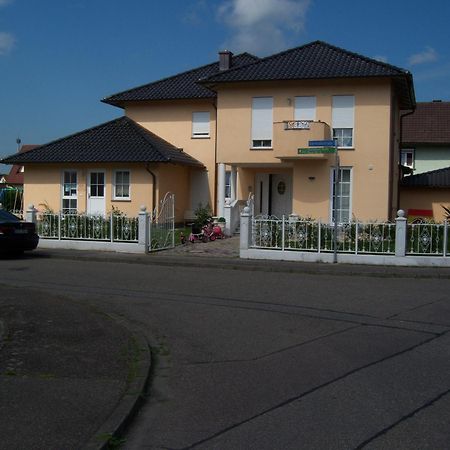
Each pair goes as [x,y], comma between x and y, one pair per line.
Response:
[213,232]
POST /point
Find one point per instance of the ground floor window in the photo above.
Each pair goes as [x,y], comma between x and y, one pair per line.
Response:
[228,184]
[122,185]
[407,158]
[70,192]
[341,205]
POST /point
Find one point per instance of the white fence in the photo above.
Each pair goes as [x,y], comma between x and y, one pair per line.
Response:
[113,228]
[292,238]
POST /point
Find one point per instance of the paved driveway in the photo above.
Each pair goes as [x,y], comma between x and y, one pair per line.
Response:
[261,359]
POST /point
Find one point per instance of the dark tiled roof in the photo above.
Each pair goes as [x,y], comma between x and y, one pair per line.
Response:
[120,140]
[430,124]
[439,178]
[317,60]
[181,86]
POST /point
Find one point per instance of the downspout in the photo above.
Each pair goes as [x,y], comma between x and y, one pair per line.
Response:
[215,161]
[400,148]
[147,168]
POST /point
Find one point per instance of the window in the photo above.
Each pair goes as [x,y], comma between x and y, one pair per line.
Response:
[69,192]
[262,122]
[305,108]
[343,112]
[342,209]
[122,185]
[228,184]
[200,124]
[407,158]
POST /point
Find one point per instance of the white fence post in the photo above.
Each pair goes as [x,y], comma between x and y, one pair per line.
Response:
[246,229]
[227,217]
[30,215]
[143,228]
[400,233]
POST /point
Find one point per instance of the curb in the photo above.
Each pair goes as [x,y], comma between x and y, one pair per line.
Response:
[229,263]
[132,399]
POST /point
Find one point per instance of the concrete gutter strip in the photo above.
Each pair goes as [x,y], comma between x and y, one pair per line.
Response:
[132,400]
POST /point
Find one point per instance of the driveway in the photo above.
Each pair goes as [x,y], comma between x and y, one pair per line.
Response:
[251,358]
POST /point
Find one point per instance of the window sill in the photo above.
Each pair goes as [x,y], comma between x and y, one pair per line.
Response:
[261,148]
[346,148]
[201,137]
[121,199]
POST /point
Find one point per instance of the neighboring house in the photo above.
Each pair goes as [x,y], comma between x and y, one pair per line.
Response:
[234,128]
[426,151]
[15,176]
[426,137]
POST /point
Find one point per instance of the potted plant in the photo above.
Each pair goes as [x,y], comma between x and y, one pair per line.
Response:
[221,222]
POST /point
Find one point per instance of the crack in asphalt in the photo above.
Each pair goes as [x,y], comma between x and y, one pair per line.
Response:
[306,393]
[402,419]
[181,298]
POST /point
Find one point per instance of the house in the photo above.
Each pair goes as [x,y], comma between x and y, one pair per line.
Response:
[234,128]
[425,150]
[11,184]
[426,137]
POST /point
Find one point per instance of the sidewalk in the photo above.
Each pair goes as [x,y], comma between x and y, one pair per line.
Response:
[69,375]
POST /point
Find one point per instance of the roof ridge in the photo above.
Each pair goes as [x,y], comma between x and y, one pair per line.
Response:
[310,44]
[173,76]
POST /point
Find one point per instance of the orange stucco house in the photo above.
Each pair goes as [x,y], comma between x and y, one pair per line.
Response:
[233,128]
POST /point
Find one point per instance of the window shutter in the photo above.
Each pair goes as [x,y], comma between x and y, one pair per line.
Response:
[262,118]
[305,108]
[343,111]
[200,124]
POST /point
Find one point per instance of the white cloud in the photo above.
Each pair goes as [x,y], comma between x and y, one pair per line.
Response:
[262,26]
[426,56]
[381,58]
[7,42]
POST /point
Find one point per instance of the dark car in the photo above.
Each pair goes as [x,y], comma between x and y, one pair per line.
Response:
[16,235]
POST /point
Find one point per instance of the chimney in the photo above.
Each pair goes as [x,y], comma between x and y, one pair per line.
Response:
[225,60]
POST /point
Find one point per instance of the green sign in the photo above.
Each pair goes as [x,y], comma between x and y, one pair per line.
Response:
[316,150]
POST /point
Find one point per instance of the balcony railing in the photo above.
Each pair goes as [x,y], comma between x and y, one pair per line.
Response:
[290,135]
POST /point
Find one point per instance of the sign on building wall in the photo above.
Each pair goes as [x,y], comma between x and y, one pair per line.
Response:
[297,125]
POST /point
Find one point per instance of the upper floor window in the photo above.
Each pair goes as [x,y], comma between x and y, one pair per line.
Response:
[407,158]
[343,116]
[122,185]
[69,192]
[305,108]
[262,122]
[200,124]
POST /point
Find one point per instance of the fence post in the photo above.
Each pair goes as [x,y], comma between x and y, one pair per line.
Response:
[111,226]
[143,229]
[246,229]
[30,215]
[400,233]
[227,217]
[445,237]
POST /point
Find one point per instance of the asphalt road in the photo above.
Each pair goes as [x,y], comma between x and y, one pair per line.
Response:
[257,359]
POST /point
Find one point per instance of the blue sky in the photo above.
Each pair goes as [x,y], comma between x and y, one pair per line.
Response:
[59,58]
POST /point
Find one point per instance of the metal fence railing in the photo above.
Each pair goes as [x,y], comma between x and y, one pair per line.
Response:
[114,228]
[288,233]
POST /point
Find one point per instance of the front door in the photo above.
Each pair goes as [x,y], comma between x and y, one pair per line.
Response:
[281,198]
[96,193]
[273,194]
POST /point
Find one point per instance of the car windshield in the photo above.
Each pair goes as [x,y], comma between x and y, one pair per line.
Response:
[6,216]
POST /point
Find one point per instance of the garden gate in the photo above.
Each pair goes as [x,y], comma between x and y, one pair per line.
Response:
[162,225]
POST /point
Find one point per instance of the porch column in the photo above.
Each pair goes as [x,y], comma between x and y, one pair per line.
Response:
[220,189]
[233,183]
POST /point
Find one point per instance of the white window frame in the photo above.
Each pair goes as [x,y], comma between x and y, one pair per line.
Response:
[70,197]
[305,108]
[115,196]
[201,124]
[343,117]
[404,159]
[350,195]
[262,123]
